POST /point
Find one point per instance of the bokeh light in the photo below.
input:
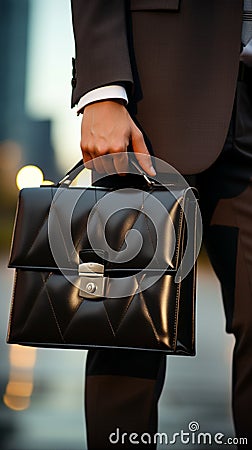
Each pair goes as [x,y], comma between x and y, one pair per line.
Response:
[29,176]
[20,385]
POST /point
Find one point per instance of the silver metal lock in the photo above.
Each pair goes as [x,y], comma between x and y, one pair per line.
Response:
[92,280]
[91,287]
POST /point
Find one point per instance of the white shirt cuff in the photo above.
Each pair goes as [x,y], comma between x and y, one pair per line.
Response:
[102,93]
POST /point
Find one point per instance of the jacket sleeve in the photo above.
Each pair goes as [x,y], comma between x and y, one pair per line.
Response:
[101,46]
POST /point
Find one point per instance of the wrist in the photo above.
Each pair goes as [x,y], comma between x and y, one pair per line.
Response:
[105,93]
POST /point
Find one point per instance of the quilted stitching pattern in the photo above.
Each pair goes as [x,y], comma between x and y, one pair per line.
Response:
[31,247]
[43,324]
[48,311]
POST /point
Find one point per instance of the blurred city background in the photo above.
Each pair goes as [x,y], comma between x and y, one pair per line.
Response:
[42,391]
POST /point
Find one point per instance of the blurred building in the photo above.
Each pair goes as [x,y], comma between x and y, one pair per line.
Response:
[23,140]
[31,136]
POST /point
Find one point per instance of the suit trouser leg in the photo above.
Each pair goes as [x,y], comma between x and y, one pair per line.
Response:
[226,205]
[121,396]
[122,387]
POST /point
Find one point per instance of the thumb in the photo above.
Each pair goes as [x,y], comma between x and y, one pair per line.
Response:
[141,152]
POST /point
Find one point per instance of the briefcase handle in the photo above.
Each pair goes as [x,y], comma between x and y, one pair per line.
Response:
[79,166]
[71,174]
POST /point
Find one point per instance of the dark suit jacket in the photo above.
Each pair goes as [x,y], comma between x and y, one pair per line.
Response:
[179,61]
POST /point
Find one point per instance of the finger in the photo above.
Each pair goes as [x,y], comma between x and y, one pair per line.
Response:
[144,160]
[108,164]
[108,157]
[88,160]
[92,161]
[98,165]
[121,162]
[141,152]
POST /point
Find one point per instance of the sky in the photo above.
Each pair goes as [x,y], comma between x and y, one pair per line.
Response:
[49,67]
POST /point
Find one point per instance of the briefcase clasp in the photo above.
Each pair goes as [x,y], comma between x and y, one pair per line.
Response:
[92,280]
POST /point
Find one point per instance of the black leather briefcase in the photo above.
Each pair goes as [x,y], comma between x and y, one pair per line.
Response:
[82,278]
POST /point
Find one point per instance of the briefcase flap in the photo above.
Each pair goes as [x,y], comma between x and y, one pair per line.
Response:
[53,225]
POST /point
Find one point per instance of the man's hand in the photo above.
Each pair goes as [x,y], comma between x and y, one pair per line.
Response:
[107,128]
